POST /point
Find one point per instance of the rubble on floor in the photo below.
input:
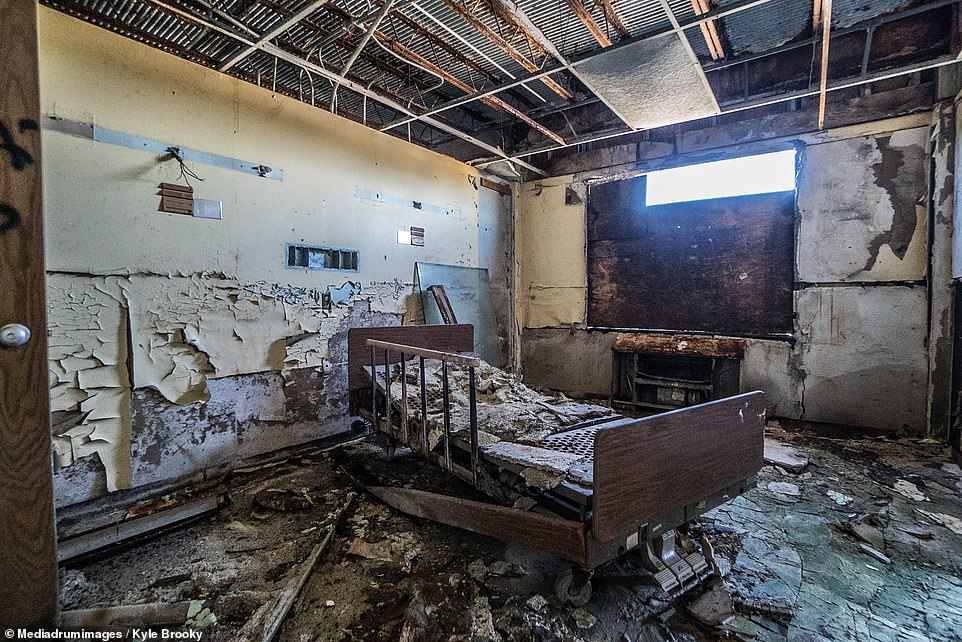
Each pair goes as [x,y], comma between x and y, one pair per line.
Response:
[792,557]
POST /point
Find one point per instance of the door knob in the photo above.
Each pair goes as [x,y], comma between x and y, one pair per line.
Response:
[13,335]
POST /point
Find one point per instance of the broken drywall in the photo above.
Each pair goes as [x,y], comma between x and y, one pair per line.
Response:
[862,209]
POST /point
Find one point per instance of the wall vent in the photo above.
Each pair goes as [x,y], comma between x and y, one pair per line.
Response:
[310,257]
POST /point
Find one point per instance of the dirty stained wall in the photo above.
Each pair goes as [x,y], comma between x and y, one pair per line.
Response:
[861,303]
[179,343]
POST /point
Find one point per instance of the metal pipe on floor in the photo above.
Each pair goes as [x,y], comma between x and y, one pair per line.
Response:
[447,415]
[473,413]
[404,401]
[377,423]
[424,413]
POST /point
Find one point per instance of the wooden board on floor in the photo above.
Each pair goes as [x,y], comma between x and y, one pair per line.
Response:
[561,537]
[649,468]
[444,338]
[28,559]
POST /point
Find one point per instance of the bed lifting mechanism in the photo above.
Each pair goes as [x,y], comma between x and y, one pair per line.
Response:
[674,561]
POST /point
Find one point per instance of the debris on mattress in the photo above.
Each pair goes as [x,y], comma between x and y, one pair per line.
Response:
[514,421]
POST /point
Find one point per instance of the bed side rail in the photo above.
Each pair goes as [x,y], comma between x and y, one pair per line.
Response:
[446,338]
[447,359]
[646,468]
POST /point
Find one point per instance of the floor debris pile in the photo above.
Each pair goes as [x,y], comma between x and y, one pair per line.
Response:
[829,550]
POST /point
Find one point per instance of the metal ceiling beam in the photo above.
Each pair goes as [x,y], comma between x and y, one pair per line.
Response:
[273,33]
[491,101]
[589,22]
[333,77]
[736,6]
[504,45]
[745,105]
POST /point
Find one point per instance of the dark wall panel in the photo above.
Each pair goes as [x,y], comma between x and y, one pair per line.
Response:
[724,266]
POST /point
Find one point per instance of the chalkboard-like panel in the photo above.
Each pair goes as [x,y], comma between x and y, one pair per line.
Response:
[723,265]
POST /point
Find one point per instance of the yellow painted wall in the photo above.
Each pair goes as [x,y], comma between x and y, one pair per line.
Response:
[550,241]
[205,299]
[101,199]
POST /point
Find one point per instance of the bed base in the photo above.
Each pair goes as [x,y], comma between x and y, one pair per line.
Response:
[651,476]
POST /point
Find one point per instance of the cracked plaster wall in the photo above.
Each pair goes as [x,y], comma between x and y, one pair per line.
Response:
[861,352]
[180,343]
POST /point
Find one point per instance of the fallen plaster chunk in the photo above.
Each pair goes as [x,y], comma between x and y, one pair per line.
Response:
[839,498]
[715,607]
[784,456]
[785,488]
[954,524]
[531,456]
[909,490]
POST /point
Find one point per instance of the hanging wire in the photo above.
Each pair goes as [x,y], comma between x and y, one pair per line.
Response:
[186,173]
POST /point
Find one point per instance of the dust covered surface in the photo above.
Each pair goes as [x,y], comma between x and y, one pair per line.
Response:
[862,543]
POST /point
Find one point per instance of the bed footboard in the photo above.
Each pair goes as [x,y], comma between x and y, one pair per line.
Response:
[649,468]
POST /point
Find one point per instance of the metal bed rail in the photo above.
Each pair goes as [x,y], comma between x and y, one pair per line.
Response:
[446,359]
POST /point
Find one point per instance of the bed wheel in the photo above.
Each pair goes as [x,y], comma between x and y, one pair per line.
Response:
[573,587]
[359,426]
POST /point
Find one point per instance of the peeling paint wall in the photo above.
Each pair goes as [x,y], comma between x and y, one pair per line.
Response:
[860,356]
[179,343]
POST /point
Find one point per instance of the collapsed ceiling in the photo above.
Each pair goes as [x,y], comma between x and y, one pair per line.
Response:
[489,80]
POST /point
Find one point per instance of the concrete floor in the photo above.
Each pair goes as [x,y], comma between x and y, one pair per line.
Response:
[864,544]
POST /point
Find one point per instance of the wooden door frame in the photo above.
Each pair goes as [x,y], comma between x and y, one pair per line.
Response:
[28,557]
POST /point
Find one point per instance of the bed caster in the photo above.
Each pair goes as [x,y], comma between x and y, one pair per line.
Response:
[573,587]
[359,426]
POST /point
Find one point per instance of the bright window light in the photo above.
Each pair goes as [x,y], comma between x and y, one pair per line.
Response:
[760,174]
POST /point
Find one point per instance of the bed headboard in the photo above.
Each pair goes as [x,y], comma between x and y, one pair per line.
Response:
[444,338]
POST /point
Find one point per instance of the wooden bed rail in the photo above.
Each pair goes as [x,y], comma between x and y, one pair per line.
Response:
[448,357]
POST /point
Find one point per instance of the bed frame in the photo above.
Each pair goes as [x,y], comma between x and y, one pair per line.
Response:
[650,475]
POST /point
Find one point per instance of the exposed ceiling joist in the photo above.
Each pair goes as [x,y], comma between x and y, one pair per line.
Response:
[733,7]
[611,15]
[504,45]
[709,31]
[588,21]
[826,15]
[514,13]
[333,77]
[492,101]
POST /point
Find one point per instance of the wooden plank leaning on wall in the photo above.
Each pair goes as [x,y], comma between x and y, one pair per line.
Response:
[28,560]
